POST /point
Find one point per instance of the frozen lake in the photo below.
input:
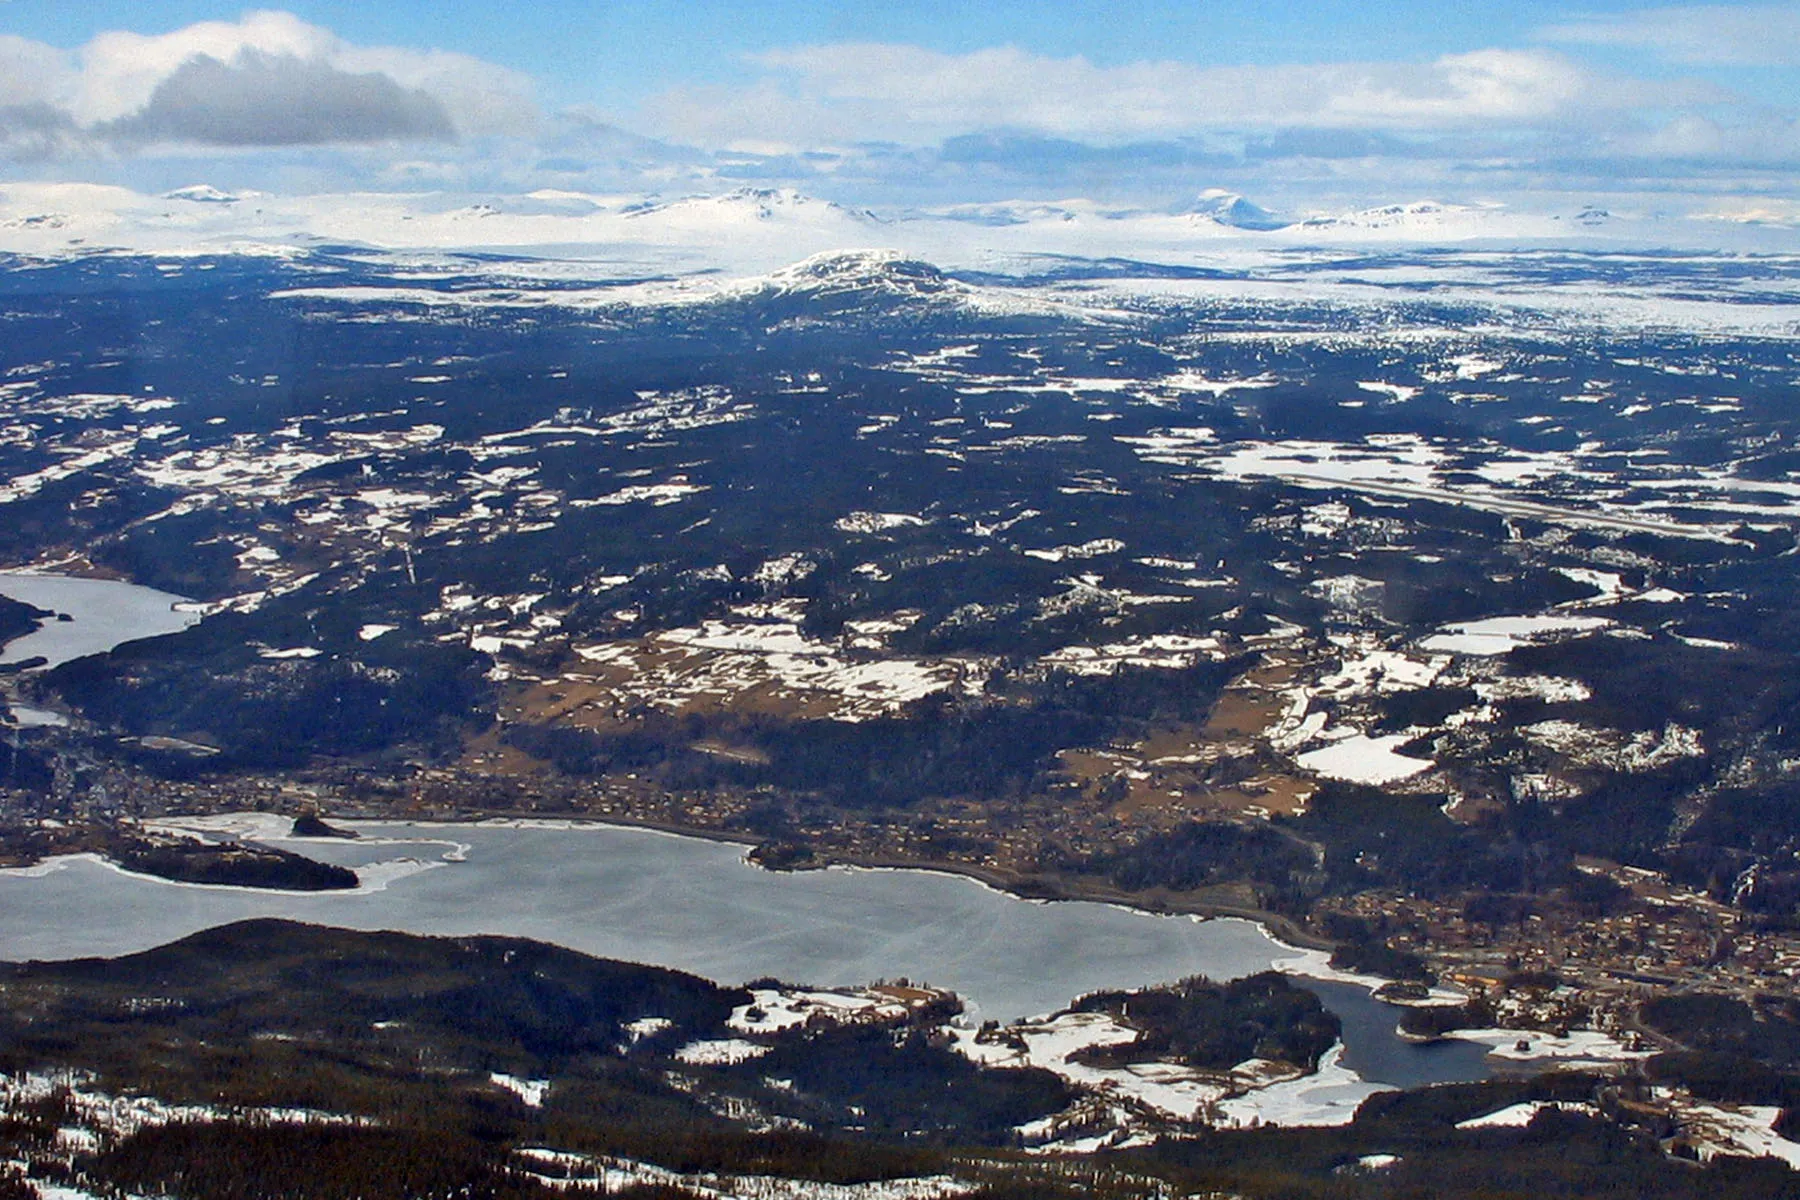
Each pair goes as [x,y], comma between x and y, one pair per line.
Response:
[698,906]
[104,613]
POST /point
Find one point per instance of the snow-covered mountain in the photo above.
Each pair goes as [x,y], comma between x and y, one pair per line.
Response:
[1419,218]
[877,285]
[860,284]
[751,205]
[1228,208]
[1007,213]
[752,231]
[203,193]
[860,272]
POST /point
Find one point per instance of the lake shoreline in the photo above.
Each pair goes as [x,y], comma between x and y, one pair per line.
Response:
[654,893]
[1030,888]
[1043,888]
[57,590]
[91,614]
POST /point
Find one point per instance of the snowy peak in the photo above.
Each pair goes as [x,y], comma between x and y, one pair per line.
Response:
[1004,213]
[839,272]
[755,205]
[1228,208]
[858,285]
[559,203]
[202,193]
[1402,218]
[886,286]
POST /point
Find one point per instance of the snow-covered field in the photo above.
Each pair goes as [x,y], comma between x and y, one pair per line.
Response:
[720,661]
[1578,1047]
[1498,635]
[1363,759]
[1517,1116]
[1174,1091]
[1708,1129]
[774,1009]
[1329,1096]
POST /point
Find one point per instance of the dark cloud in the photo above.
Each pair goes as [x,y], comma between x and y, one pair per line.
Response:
[270,100]
[30,132]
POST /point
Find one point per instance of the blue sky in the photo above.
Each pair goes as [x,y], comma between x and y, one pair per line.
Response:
[909,104]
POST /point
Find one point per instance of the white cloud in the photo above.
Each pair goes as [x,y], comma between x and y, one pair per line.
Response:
[33,73]
[1720,34]
[481,98]
[908,94]
[1771,140]
[268,79]
[121,70]
[868,122]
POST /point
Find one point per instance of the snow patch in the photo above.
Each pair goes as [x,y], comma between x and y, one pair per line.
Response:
[1517,1116]
[1499,635]
[1360,758]
[530,1091]
[720,1052]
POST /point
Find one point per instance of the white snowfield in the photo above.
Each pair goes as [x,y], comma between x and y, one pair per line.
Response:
[1329,1096]
[1614,749]
[1328,744]
[44,217]
[1578,1047]
[1552,689]
[1517,1116]
[876,522]
[1499,635]
[1360,758]
[645,1027]
[1255,1092]
[1175,1091]
[242,826]
[1715,1129]
[1366,669]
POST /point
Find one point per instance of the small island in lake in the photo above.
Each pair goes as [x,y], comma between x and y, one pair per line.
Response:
[180,859]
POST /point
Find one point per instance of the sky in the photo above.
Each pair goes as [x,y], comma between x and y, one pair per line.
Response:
[1141,102]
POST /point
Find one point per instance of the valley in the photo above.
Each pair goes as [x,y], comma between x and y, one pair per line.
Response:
[1448,637]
